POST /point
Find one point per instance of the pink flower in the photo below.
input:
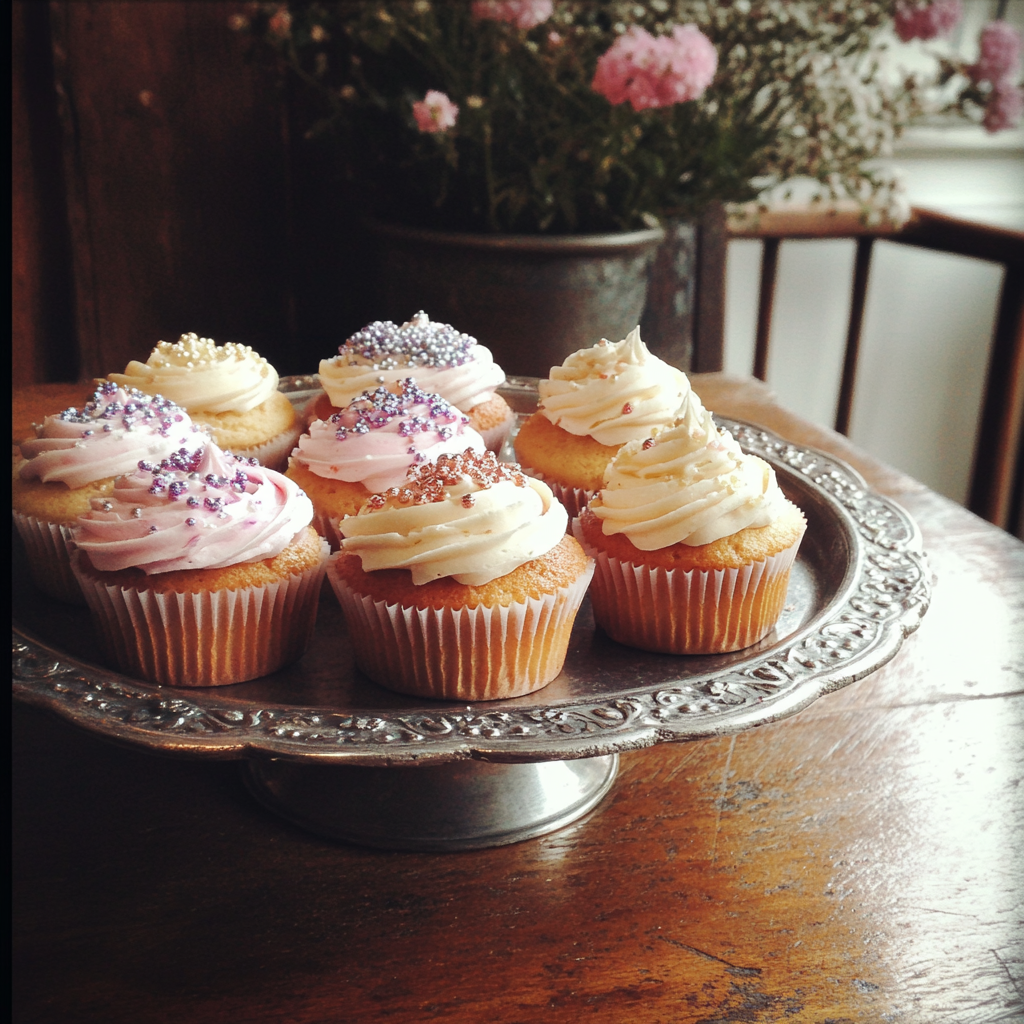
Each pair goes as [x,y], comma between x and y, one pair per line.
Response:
[523,14]
[1004,108]
[926,21]
[649,71]
[435,112]
[999,59]
[281,23]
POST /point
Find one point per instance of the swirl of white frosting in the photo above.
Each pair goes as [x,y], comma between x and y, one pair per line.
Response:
[203,376]
[381,434]
[206,510]
[614,392]
[441,359]
[467,517]
[691,484]
[107,437]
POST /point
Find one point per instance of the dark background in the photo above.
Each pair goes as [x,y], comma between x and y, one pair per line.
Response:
[160,186]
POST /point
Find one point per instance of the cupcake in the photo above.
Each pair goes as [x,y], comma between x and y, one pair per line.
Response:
[32,403]
[440,358]
[693,539]
[462,584]
[201,570]
[228,389]
[74,457]
[370,445]
[597,400]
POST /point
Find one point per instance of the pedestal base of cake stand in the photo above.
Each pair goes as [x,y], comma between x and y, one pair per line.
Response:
[457,805]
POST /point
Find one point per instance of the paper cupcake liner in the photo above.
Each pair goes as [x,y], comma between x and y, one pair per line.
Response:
[464,654]
[494,437]
[274,453]
[206,639]
[48,547]
[575,499]
[327,527]
[673,611]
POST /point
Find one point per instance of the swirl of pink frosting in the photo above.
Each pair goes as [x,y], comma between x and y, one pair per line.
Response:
[380,435]
[206,509]
[107,437]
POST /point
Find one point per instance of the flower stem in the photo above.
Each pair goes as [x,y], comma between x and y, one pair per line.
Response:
[492,206]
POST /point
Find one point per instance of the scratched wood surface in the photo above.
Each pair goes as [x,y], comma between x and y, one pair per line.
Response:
[861,861]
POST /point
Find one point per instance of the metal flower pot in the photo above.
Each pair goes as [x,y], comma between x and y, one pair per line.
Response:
[531,299]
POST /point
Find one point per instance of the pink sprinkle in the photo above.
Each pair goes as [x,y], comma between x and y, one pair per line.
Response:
[627,409]
[648,444]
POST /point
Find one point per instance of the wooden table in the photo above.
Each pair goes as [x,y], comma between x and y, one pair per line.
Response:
[861,861]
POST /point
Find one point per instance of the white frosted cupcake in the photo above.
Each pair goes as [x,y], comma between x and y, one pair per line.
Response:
[74,457]
[461,584]
[228,389]
[370,446]
[201,570]
[441,359]
[597,400]
[694,542]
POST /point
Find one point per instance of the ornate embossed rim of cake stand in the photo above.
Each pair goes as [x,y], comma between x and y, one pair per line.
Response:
[531,747]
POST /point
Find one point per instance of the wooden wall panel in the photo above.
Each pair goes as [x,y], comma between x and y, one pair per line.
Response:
[42,334]
[175,159]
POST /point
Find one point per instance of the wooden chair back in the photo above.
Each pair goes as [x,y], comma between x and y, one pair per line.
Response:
[996,475]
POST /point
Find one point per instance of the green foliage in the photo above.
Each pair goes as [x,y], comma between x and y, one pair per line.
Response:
[799,91]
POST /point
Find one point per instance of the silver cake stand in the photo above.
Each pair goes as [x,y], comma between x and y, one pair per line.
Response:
[331,751]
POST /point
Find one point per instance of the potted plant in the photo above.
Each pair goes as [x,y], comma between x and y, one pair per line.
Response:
[544,127]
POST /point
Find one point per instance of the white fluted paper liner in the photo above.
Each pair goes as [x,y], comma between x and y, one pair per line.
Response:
[494,437]
[327,527]
[673,611]
[575,499]
[207,639]
[48,547]
[465,654]
[274,453]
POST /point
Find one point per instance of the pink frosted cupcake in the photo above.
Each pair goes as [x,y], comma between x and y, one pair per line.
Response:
[461,584]
[74,457]
[441,359]
[201,570]
[370,445]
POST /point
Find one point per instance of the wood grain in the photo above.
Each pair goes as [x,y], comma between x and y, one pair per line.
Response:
[42,332]
[859,862]
[176,176]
